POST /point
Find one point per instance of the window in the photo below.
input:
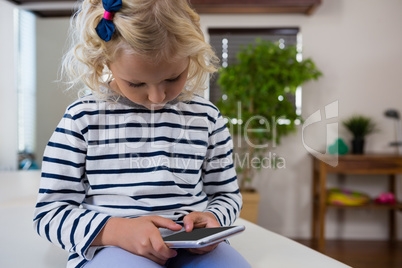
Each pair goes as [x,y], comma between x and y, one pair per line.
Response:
[227,42]
[26,80]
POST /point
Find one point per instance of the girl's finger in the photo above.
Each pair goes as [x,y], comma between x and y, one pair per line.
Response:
[160,250]
[161,222]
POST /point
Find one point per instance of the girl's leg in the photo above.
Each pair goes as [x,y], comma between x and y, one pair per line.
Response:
[222,256]
[114,257]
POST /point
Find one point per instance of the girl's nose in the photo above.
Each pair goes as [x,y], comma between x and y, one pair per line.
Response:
[157,94]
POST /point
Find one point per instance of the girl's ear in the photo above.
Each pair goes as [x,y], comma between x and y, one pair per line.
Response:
[108,70]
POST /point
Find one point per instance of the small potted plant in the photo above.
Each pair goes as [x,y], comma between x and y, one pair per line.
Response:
[359,126]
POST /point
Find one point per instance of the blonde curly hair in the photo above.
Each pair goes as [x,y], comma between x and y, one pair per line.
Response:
[157,29]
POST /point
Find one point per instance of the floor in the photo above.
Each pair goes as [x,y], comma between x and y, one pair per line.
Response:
[363,254]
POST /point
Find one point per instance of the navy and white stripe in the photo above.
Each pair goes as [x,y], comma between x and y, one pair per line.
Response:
[121,160]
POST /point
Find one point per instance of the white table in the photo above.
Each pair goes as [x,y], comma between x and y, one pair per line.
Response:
[22,247]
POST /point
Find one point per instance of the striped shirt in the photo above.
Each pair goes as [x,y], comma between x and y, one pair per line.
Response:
[120,159]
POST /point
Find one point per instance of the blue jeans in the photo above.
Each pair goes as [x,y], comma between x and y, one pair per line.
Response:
[222,256]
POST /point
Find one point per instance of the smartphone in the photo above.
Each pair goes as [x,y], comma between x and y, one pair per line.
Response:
[201,237]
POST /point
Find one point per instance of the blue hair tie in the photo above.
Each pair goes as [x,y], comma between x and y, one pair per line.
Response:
[105,28]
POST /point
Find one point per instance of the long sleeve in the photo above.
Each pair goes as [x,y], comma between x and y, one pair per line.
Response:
[58,215]
[220,181]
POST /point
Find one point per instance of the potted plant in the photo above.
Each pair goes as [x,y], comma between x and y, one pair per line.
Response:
[359,126]
[257,102]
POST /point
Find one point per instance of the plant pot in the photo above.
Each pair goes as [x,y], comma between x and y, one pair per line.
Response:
[251,201]
[358,146]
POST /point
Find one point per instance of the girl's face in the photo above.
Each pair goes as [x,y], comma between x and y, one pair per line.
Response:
[148,83]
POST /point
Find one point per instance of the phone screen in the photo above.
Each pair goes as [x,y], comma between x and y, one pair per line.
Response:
[195,234]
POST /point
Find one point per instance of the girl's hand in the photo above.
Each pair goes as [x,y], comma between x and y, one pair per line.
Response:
[139,236]
[196,220]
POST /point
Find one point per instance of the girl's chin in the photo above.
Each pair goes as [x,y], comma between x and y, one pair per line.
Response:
[155,106]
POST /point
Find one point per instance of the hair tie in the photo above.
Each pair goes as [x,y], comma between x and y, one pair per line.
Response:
[105,28]
[108,15]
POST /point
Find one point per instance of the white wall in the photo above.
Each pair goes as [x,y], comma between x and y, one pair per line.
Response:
[51,99]
[357,45]
[8,91]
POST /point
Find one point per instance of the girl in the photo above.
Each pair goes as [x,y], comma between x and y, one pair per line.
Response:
[141,155]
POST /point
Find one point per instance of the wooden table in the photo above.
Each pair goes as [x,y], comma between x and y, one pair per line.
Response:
[369,164]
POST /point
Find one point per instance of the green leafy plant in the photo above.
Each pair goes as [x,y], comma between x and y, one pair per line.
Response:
[256,99]
[360,126]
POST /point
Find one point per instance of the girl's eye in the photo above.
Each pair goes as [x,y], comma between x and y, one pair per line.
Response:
[143,84]
[136,85]
[173,79]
